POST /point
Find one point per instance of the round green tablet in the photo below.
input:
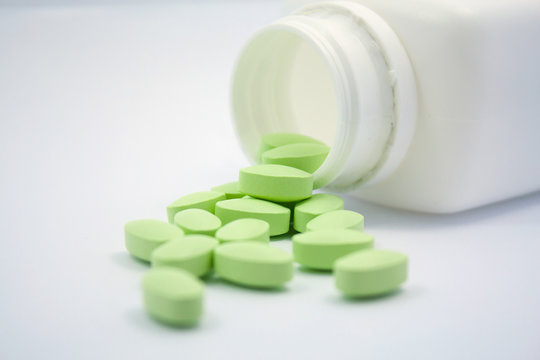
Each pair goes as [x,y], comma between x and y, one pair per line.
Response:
[253,264]
[192,253]
[230,190]
[244,230]
[303,156]
[277,216]
[370,272]
[143,236]
[270,141]
[316,205]
[321,248]
[275,182]
[205,200]
[337,219]
[197,221]
[173,296]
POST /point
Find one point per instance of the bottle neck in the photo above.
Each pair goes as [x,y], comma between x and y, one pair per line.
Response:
[335,71]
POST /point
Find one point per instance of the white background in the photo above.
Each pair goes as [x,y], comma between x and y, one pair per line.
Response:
[108,113]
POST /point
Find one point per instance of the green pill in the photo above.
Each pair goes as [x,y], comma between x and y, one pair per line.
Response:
[143,236]
[244,230]
[253,264]
[230,190]
[337,219]
[276,182]
[205,200]
[173,296]
[288,205]
[320,249]
[273,140]
[370,272]
[192,253]
[277,216]
[316,205]
[304,156]
[197,221]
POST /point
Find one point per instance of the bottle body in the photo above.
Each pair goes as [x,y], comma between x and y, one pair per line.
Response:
[476,137]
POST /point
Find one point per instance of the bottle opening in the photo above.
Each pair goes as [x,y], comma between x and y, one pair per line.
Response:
[335,72]
[283,84]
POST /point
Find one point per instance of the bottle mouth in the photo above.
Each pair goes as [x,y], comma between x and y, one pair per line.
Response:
[338,73]
[286,81]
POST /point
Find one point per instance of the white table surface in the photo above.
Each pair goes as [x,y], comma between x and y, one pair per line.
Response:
[108,113]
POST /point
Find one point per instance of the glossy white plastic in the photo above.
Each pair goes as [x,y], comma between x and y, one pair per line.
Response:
[428,105]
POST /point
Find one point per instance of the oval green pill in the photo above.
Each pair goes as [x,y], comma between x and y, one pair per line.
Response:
[288,205]
[143,236]
[197,221]
[244,230]
[173,296]
[230,190]
[205,200]
[337,219]
[303,156]
[275,182]
[316,205]
[273,140]
[277,216]
[192,253]
[253,264]
[370,272]
[320,249]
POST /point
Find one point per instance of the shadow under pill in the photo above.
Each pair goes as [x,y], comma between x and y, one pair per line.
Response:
[373,298]
[208,277]
[287,236]
[307,270]
[140,318]
[274,290]
[400,294]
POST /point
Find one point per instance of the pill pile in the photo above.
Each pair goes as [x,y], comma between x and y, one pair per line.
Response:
[226,232]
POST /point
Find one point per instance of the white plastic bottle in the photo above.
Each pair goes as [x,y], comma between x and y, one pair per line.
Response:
[429,105]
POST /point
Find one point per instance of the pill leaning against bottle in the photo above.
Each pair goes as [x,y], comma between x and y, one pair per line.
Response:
[192,253]
[272,140]
[173,296]
[370,272]
[145,235]
[253,264]
[303,156]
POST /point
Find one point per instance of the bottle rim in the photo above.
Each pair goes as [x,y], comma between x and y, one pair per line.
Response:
[352,161]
